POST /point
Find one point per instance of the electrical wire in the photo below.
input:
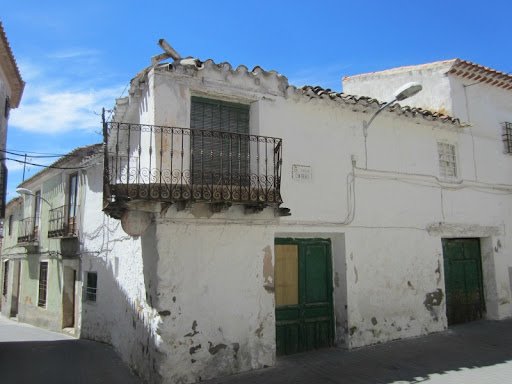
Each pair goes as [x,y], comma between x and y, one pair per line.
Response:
[40,165]
[31,156]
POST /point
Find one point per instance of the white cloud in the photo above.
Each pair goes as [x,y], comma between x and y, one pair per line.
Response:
[59,99]
[73,53]
[60,110]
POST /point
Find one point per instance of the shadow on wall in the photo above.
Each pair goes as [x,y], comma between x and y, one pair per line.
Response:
[116,319]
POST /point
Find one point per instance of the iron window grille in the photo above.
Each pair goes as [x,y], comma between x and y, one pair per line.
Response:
[43,284]
[91,288]
[6,276]
[507,136]
[447,160]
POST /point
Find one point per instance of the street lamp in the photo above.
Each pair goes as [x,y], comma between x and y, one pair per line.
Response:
[402,93]
[28,192]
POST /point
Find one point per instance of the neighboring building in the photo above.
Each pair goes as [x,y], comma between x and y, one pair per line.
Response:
[43,242]
[11,89]
[476,228]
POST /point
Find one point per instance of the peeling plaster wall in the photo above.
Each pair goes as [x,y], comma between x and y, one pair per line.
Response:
[395,285]
[214,296]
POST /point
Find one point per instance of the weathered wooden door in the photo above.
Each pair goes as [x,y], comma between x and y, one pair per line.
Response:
[463,280]
[303,294]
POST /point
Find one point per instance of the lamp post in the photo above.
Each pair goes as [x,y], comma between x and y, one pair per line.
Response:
[28,192]
[402,93]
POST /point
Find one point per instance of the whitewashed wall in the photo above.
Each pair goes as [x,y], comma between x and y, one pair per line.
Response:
[203,281]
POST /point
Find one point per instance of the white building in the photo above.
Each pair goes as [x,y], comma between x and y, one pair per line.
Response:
[204,162]
[248,218]
[477,203]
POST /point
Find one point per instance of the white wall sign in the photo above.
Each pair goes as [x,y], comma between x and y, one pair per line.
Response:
[301,172]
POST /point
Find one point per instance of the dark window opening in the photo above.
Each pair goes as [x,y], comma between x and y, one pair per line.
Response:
[7,107]
[91,287]
[9,227]
[6,274]
[507,137]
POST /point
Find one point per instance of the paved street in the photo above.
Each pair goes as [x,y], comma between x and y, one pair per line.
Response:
[478,352]
[32,355]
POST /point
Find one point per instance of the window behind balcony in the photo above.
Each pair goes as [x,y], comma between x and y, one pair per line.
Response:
[37,212]
[72,203]
[220,151]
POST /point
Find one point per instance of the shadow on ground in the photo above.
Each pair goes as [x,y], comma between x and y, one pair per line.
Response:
[62,361]
[474,345]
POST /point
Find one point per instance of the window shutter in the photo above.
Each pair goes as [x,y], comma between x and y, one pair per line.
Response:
[218,156]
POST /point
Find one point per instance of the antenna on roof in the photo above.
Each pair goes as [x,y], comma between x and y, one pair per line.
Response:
[170,52]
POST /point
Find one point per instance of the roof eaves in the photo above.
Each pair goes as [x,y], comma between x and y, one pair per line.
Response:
[13,72]
[82,152]
[365,101]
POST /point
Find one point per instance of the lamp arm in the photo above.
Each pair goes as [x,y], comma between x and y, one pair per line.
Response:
[382,107]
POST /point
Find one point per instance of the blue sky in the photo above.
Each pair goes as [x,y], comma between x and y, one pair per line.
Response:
[78,56]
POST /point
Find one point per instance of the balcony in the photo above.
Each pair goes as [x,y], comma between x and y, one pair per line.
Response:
[60,224]
[28,233]
[182,165]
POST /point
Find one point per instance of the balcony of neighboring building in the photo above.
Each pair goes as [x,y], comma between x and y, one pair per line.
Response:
[28,232]
[62,222]
[184,165]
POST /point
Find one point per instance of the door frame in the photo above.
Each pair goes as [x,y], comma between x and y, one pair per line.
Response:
[480,276]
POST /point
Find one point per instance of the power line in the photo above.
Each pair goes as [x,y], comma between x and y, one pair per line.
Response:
[41,165]
[32,156]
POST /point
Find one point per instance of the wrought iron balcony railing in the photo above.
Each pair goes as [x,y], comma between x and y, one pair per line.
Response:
[28,230]
[63,222]
[146,162]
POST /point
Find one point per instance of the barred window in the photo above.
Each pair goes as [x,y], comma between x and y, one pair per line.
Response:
[91,287]
[447,160]
[507,137]
[43,283]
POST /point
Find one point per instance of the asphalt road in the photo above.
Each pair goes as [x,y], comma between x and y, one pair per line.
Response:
[33,355]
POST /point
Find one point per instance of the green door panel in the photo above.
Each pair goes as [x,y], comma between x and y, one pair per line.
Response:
[463,280]
[310,323]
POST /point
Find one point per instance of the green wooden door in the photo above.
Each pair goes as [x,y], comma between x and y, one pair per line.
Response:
[303,288]
[463,280]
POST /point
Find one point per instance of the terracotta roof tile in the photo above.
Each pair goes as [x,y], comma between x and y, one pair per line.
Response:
[315,91]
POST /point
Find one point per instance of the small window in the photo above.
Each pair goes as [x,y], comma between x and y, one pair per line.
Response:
[7,107]
[447,160]
[43,283]
[507,137]
[6,276]
[91,287]
[9,227]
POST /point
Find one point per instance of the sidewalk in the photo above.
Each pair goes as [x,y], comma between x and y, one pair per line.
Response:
[478,352]
[32,355]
